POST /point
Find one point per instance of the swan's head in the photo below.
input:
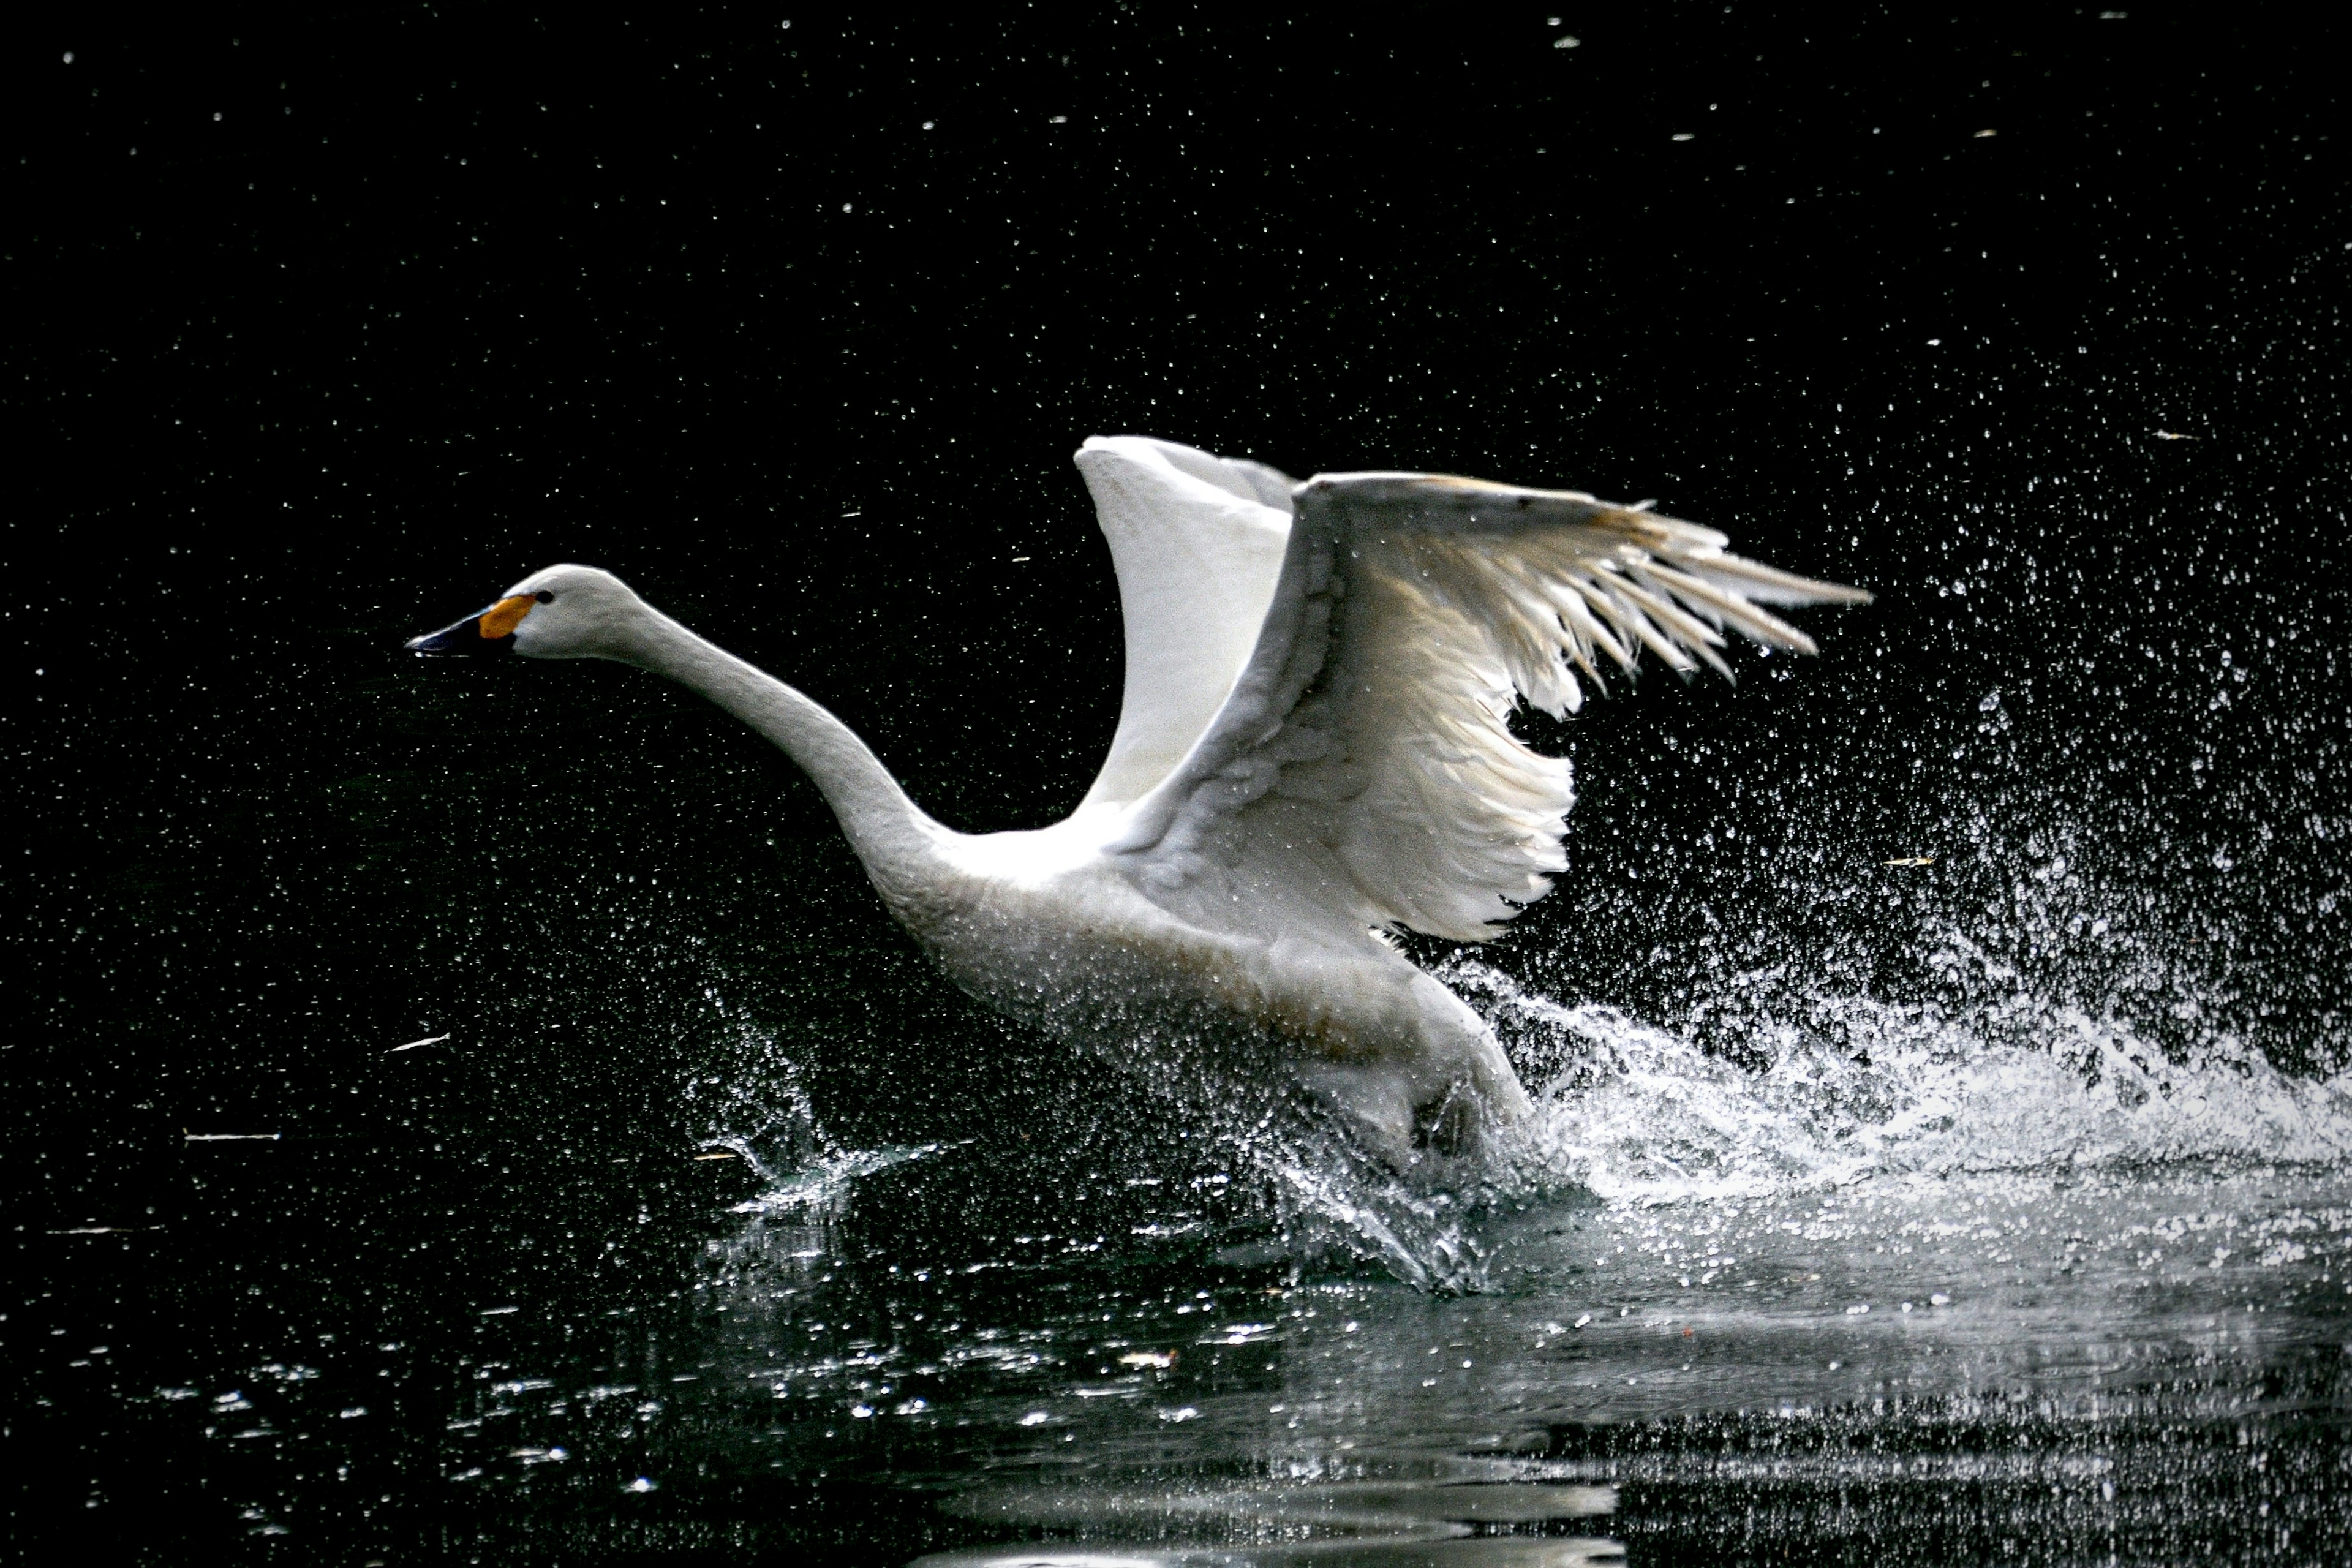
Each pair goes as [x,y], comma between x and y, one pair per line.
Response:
[564,612]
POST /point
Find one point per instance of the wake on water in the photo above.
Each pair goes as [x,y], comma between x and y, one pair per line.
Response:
[1818,1089]
[1831,1089]
[1856,1087]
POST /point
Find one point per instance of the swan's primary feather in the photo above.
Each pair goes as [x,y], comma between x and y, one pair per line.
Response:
[1362,763]
[1198,542]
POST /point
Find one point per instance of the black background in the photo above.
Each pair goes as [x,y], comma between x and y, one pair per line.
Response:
[322,331]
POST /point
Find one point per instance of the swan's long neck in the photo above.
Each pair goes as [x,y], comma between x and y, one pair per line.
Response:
[899,844]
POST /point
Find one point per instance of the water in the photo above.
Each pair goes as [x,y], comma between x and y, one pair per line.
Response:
[1944,1134]
[1957,1293]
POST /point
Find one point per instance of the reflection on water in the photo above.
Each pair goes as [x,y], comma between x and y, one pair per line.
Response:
[2054,1362]
[1456,1514]
[1807,1306]
[1962,1356]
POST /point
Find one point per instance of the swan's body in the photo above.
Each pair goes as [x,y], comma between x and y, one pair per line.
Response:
[1312,750]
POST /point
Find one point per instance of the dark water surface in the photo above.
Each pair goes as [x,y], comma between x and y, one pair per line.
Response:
[1945,1146]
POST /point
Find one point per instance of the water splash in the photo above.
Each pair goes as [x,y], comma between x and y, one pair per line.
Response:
[1335,1203]
[815,1189]
[1835,1087]
[1777,1081]
[1781,1086]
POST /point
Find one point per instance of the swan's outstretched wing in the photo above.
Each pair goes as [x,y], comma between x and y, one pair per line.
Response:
[1366,746]
[1198,542]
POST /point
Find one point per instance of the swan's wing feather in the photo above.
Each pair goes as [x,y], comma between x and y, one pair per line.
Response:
[1373,715]
[1197,542]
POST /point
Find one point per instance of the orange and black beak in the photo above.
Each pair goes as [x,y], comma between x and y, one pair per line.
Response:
[492,631]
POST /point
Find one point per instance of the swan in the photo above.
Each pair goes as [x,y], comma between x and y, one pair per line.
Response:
[1313,750]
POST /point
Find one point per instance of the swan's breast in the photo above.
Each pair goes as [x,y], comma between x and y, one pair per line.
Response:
[1052,932]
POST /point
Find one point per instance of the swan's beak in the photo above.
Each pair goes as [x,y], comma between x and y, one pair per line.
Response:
[492,631]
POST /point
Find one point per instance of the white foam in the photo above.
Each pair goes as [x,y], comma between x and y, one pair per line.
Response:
[1862,1087]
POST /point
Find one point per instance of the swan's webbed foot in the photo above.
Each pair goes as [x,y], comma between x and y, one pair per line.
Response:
[1378,1107]
[1455,1126]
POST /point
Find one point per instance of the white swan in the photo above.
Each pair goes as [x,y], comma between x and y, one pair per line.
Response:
[1313,749]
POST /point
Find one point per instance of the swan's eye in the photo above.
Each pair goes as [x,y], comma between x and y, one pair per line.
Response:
[544,597]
